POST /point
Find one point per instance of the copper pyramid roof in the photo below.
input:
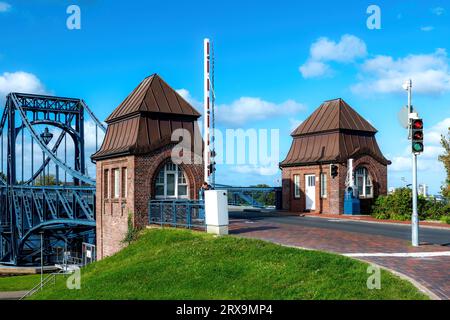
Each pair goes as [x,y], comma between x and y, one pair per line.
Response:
[153,95]
[334,132]
[145,120]
[334,115]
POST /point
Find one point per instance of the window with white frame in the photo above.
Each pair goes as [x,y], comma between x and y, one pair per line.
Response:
[124,183]
[296,186]
[323,185]
[106,184]
[171,182]
[116,183]
[363,183]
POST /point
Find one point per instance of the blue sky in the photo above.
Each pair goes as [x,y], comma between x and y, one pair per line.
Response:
[259,48]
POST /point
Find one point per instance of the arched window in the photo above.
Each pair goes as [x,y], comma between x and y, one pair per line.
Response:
[364,183]
[171,182]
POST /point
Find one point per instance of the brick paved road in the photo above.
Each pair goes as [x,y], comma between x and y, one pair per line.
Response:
[433,273]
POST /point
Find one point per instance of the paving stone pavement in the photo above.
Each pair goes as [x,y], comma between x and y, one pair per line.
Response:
[433,273]
[12,295]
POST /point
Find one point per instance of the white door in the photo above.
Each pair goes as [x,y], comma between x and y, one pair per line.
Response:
[310,192]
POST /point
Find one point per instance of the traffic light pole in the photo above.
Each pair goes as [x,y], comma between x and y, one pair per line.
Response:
[415,216]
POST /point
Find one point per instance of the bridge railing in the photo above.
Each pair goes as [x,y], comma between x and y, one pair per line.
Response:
[258,197]
[177,213]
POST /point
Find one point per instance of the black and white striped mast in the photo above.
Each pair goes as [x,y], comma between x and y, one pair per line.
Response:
[208,114]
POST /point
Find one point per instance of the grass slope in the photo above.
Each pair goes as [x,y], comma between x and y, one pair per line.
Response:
[181,264]
[19,283]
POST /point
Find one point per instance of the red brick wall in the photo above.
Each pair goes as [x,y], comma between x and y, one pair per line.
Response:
[112,214]
[298,204]
[334,202]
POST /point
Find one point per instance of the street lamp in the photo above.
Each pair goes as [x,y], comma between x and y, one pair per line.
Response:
[46,136]
[42,257]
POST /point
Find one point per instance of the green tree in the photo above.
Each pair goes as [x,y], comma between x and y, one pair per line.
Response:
[445,159]
[49,180]
[267,199]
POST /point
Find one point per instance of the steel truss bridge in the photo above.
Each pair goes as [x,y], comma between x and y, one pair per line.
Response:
[257,197]
[49,202]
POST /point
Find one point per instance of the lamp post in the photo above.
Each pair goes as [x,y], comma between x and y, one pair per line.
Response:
[42,257]
[46,136]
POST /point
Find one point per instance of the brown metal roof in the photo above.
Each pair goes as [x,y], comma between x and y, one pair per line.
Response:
[146,119]
[153,95]
[333,115]
[333,133]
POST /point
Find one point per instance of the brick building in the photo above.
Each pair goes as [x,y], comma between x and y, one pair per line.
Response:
[331,135]
[134,163]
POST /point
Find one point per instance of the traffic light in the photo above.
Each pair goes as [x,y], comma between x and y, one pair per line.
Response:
[212,167]
[417,135]
[333,170]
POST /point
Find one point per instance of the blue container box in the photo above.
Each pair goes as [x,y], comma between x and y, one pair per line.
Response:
[351,203]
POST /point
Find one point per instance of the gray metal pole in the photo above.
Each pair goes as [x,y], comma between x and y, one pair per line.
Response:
[415,216]
[410,96]
[42,258]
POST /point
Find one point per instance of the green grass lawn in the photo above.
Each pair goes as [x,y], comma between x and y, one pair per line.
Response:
[181,264]
[19,283]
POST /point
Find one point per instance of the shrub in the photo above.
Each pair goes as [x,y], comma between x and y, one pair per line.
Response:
[132,231]
[397,206]
[445,219]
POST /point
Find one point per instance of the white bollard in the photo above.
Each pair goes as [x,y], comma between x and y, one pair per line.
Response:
[216,211]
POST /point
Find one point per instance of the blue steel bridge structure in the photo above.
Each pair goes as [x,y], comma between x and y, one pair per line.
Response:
[47,201]
[51,198]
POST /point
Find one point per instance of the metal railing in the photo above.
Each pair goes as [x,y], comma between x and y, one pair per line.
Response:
[177,213]
[51,278]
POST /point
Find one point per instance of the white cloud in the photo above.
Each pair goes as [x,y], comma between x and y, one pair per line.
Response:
[255,170]
[427,28]
[313,69]
[348,49]
[188,97]
[438,11]
[20,81]
[400,163]
[384,74]
[433,135]
[247,109]
[89,137]
[4,6]
[294,123]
